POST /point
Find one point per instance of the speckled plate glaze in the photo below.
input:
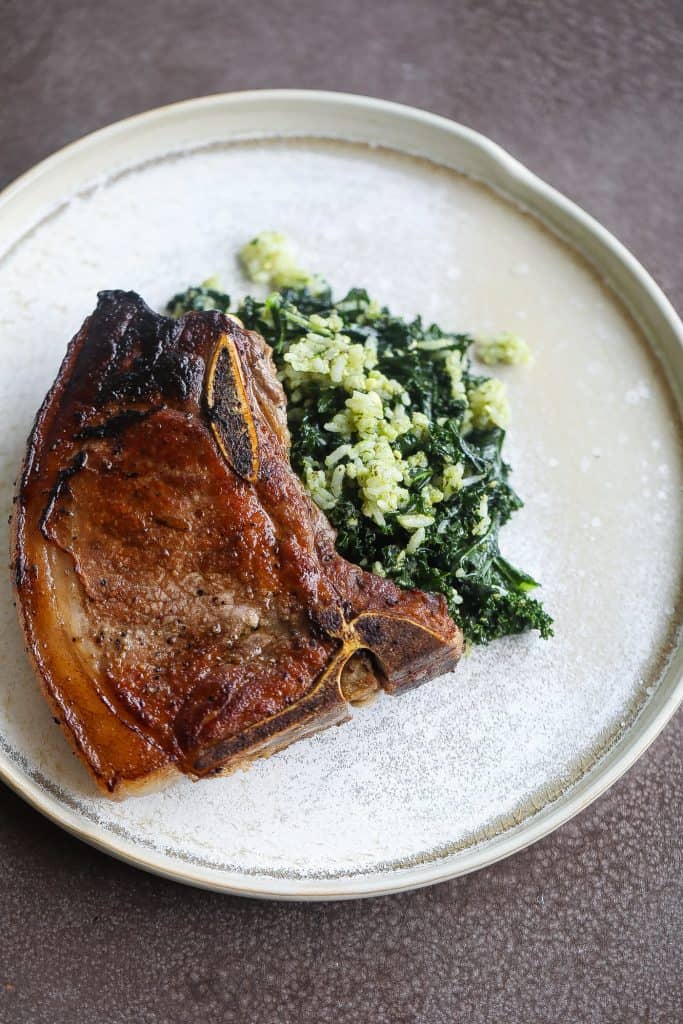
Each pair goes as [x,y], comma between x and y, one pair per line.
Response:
[432,218]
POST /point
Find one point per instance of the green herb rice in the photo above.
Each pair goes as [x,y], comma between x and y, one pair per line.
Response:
[394,437]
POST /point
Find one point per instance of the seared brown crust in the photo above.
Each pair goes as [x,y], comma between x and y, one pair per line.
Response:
[181,596]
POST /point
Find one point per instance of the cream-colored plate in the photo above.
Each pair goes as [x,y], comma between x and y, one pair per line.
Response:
[431,218]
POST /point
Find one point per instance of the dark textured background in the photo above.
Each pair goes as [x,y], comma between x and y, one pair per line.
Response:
[587,926]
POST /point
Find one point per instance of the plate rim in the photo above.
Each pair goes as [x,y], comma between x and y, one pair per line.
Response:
[567,219]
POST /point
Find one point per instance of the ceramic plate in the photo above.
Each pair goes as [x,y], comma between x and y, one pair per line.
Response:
[430,218]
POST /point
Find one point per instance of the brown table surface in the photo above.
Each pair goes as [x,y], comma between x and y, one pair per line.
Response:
[587,925]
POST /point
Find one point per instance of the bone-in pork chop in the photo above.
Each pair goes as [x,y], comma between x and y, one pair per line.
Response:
[181,596]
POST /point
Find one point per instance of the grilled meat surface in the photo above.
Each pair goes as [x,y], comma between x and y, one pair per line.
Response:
[181,596]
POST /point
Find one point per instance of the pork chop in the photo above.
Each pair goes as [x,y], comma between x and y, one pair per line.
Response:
[180,594]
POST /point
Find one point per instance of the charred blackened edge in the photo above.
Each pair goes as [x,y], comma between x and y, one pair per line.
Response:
[61,483]
[18,555]
[143,360]
[115,425]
